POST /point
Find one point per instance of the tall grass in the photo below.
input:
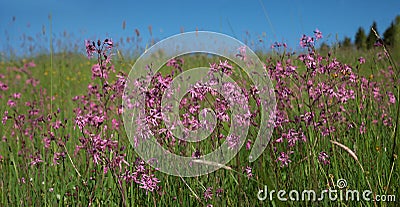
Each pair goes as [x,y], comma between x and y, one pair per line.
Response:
[47,160]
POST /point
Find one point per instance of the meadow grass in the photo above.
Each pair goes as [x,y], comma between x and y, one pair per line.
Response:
[74,180]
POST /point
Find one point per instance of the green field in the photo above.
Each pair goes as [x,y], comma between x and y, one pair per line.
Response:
[337,119]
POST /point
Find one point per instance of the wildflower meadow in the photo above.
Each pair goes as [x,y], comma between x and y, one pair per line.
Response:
[334,127]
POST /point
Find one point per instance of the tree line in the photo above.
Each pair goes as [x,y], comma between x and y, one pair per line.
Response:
[363,41]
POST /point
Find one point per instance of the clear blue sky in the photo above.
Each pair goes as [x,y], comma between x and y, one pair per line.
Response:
[284,20]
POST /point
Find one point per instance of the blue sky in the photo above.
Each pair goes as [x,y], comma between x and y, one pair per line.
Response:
[283,21]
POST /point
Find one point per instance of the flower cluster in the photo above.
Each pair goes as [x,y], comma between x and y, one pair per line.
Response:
[98,118]
[319,97]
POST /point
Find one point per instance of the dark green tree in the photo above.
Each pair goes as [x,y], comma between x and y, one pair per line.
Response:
[372,38]
[346,43]
[360,39]
[389,34]
[396,33]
